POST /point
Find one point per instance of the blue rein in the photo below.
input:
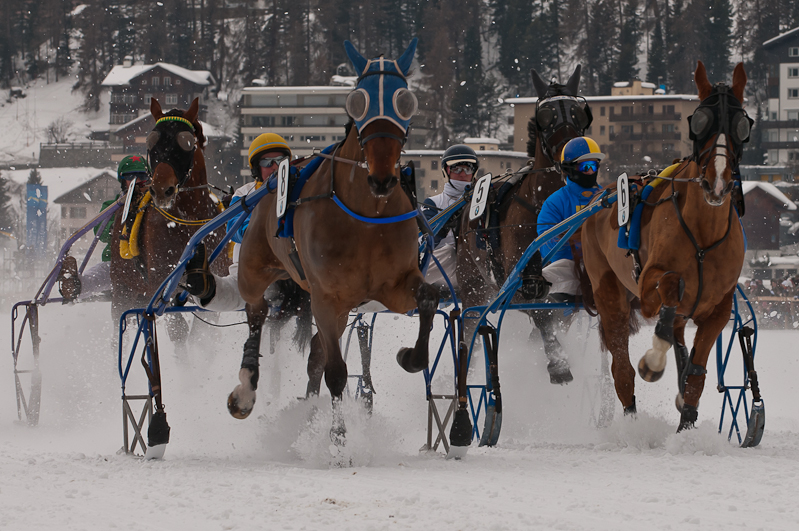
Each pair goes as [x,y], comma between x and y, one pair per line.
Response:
[379,221]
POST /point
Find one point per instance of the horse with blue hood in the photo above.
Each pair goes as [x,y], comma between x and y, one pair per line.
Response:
[354,237]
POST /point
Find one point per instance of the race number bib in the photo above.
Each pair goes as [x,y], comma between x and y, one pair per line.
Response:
[282,187]
[480,197]
[623,194]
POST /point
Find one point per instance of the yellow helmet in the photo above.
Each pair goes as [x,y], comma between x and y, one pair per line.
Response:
[267,142]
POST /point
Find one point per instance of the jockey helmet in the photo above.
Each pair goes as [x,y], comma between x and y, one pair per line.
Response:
[579,160]
[459,154]
[263,143]
[133,166]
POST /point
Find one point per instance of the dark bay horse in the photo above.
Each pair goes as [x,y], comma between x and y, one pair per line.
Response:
[340,260]
[177,199]
[560,116]
[691,251]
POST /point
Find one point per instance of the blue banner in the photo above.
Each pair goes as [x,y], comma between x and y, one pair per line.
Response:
[36,233]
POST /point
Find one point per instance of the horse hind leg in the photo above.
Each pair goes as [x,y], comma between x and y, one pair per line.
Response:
[416,359]
[316,367]
[557,364]
[242,399]
[670,287]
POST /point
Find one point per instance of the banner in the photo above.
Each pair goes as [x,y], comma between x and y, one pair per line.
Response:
[36,233]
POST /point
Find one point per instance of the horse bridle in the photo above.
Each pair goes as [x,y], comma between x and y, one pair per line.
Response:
[579,110]
[163,148]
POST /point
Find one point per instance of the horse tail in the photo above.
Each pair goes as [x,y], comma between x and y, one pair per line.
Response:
[298,302]
[531,133]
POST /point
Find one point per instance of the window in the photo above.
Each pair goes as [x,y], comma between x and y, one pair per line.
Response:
[434,165]
[156,81]
[63,211]
[668,109]
[482,148]
[793,93]
[602,130]
[793,52]
[177,81]
[773,115]
[171,99]
[147,98]
[601,111]
[793,72]
[143,82]
[260,121]
[793,115]
[510,120]
[611,129]
[627,129]
[77,212]
[668,128]
[626,110]
[167,81]
[288,121]
[434,184]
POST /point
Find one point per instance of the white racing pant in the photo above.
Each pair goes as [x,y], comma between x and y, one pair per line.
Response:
[445,254]
[562,276]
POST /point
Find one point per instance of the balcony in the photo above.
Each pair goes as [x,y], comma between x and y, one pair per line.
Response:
[782,124]
[644,137]
[646,117]
[792,144]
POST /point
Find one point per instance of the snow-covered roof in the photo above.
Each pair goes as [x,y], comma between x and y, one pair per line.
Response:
[439,152]
[770,189]
[297,90]
[59,181]
[480,140]
[209,130]
[121,75]
[780,37]
[645,97]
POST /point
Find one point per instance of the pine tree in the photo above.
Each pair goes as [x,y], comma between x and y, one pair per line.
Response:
[716,33]
[466,97]
[656,61]
[6,214]
[34,177]
[601,53]
[512,24]
[626,67]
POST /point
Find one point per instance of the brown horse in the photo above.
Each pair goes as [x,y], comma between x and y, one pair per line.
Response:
[340,260]
[178,192]
[691,253]
[560,116]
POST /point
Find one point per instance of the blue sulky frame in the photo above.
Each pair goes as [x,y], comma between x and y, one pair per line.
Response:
[30,407]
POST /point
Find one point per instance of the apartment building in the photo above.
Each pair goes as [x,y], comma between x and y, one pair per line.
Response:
[636,126]
[780,125]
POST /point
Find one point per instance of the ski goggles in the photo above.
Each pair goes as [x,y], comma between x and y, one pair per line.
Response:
[462,168]
[139,176]
[587,166]
[268,162]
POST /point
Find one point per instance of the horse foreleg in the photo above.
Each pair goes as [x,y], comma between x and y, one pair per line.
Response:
[416,359]
[330,323]
[693,374]
[242,399]
[661,292]
[614,311]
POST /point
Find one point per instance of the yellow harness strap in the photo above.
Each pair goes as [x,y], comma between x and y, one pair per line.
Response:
[665,173]
[129,247]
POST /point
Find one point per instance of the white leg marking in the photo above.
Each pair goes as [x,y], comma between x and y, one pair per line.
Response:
[656,356]
[244,391]
[721,164]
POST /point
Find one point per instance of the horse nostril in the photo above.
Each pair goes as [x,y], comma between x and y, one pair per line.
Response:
[169,191]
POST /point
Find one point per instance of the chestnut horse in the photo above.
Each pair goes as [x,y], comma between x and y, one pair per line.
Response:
[560,116]
[178,191]
[342,258]
[691,253]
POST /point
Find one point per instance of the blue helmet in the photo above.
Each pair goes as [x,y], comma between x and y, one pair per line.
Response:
[382,90]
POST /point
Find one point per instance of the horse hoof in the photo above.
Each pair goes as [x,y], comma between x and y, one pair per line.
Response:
[687,418]
[235,410]
[559,372]
[679,402]
[404,357]
[647,374]
[631,409]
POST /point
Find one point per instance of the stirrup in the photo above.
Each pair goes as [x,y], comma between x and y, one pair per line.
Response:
[199,280]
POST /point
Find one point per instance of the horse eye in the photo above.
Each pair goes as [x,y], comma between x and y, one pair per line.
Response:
[405,104]
[185,140]
[700,122]
[579,117]
[545,117]
[357,104]
[741,127]
[152,139]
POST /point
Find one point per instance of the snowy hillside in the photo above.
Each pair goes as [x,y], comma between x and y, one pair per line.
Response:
[25,120]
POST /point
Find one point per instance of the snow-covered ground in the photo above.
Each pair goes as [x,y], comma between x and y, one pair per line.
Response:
[552,470]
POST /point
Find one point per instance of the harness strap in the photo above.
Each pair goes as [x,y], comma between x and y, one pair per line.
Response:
[524,203]
[378,221]
[129,247]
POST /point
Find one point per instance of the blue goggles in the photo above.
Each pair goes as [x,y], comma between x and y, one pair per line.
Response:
[588,165]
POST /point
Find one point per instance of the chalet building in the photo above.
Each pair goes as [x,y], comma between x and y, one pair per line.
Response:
[766,205]
[636,126]
[83,203]
[132,87]
[780,126]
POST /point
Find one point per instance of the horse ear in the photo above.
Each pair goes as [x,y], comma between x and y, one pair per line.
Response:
[405,61]
[739,82]
[573,84]
[155,109]
[194,109]
[702,84]
[358,60]
[539,84]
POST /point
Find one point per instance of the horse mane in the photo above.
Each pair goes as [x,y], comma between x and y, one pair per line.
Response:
[198,128]
[348,127]
[531,137]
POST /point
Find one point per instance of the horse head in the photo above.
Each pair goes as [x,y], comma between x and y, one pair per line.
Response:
[560,114]
[172,150]
[382,107]
[719,128]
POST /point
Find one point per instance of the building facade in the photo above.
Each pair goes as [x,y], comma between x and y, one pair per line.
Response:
[780,126]
[634,126]
[83,203]
[133,86]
